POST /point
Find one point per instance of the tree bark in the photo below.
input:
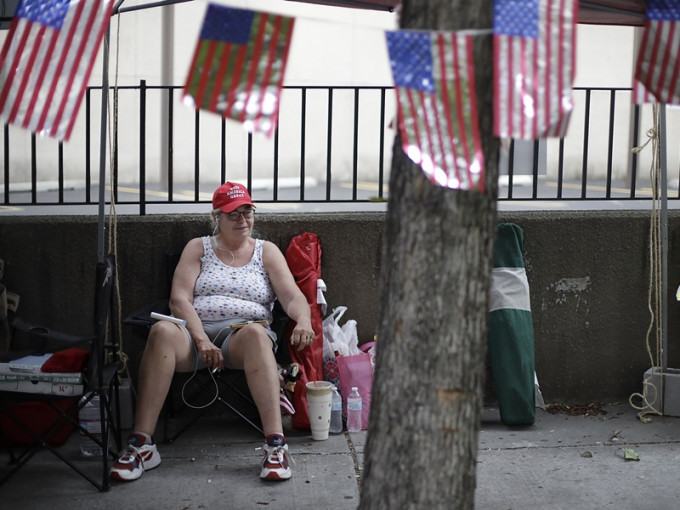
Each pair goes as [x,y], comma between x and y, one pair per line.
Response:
[432,337]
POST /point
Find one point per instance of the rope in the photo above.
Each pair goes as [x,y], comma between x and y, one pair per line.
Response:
[654,297]
[113,218]
[211,372]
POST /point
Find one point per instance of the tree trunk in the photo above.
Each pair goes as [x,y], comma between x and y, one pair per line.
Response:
[427,393]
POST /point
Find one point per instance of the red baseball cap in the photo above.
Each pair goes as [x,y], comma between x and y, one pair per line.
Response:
[230,196]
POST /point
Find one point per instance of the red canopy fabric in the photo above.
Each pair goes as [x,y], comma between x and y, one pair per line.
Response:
[612,12]
[598,12]
[304,260]
[384,5]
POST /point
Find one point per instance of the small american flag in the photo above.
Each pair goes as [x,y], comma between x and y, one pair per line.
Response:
[46,62]
[285,404]
[658,62]
[438,121]
[238,66]
[534,65]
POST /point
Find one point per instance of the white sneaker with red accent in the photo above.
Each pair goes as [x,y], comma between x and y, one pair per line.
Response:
[138,458]
[276,463]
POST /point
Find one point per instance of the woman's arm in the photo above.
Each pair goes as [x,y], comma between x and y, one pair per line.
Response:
[182,298]
[292,299]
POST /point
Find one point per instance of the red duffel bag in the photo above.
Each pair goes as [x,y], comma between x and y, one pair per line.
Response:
[304,260]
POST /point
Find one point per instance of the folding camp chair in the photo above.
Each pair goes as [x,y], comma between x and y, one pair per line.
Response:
[100,379]
[227,388]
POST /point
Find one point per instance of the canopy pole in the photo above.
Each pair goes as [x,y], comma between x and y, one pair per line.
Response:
[664,236]
[167,71]
[102,147]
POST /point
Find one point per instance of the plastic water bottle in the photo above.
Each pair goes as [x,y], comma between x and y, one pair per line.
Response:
[336,412]
[89,418]
[354,411]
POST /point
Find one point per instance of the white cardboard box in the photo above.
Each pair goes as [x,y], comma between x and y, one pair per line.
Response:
[43,387]
[653,389]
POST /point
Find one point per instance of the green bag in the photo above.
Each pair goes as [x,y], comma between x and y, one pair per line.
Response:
[511,331]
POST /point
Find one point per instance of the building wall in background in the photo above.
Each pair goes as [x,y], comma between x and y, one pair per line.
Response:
[331,46]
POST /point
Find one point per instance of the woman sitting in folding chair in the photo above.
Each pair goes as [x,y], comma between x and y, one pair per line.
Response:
[221,280]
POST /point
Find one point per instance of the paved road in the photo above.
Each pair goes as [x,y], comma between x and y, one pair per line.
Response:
[563,461]
[314,198]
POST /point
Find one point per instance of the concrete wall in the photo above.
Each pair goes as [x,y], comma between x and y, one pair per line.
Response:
[588,273]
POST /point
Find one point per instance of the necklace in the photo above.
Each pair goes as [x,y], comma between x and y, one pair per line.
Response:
[233,257]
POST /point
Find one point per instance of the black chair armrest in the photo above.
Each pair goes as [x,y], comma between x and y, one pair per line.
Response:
[142,317]
[280,321]
[29,338]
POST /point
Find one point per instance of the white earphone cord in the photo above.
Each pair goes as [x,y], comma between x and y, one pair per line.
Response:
[217,389]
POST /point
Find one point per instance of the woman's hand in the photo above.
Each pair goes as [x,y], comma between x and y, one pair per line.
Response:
[292,300]
[210,354]
[302,335]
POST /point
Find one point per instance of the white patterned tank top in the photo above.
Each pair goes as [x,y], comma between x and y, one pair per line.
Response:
[224,292]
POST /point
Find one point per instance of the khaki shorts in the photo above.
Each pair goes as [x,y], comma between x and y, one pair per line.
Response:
[220,333]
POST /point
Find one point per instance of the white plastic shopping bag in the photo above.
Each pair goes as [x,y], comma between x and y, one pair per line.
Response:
[343,340]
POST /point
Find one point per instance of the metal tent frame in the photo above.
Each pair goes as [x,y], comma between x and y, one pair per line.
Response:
[607,12]
[101,229]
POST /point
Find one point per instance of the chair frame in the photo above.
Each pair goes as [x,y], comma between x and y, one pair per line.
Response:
[227,381]
[101,380]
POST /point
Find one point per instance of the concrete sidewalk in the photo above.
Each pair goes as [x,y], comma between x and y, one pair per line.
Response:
[576,462]
[563,461]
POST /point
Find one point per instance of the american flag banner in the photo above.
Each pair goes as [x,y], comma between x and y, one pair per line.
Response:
[47,60]
[534,66]
[434,80]
[238,66]
[658,61]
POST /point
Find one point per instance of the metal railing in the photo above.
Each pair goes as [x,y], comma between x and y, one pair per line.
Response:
[332,145]
[602,166]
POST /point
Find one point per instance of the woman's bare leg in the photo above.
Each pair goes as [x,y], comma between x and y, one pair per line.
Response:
[250,349]
[168,349]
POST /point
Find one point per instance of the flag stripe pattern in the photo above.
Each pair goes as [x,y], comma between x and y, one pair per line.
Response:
[534,66]
[47,60]
[437,107]
[285,404]
[658,62]
[640,94]
[238,65]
